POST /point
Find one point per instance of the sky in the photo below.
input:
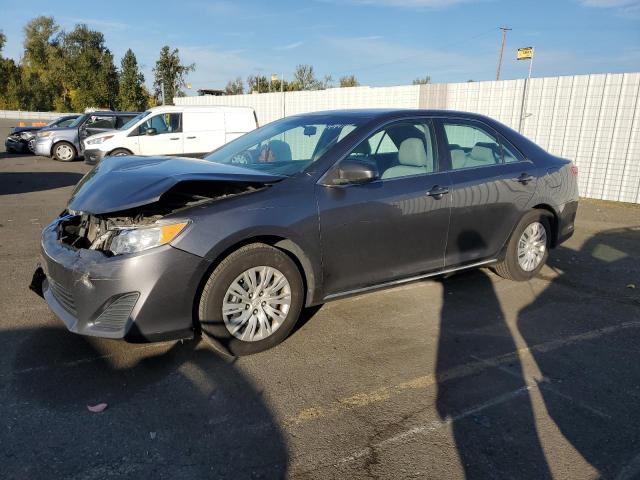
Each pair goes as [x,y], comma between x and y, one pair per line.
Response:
[381,42]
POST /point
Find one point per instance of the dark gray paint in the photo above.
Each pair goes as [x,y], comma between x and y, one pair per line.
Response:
[344,237]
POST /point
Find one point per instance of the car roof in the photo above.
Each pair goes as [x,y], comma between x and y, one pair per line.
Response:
[183,108]
[108,112]
[391,113]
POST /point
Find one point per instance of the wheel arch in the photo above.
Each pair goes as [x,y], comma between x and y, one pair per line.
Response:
[119,148]
[553,220]
[286,245]
[55,143]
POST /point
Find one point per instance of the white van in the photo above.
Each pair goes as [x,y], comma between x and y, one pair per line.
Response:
[171,130]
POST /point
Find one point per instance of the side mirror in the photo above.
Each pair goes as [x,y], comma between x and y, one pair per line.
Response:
[353,172]
[150,131]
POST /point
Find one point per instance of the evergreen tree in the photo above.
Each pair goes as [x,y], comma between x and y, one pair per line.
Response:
[132,94]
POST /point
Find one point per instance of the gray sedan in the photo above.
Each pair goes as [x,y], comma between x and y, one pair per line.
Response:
[304,210]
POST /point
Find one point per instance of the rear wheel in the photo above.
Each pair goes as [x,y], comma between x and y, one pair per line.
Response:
[528,247]
[64,152]
[252,300]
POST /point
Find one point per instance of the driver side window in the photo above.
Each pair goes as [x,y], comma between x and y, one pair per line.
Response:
[163,123]
[403,149]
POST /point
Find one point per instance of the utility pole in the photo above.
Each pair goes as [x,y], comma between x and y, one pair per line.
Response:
[162,85]
[504,39]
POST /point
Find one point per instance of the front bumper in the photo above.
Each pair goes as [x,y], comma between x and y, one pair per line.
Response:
[43,146]
[93,156]
[139,298]
[12,144]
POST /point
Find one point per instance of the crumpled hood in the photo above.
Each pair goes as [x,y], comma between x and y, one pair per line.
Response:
[25,129]
[121,183]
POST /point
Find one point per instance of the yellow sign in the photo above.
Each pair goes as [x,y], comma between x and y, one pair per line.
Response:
[274,77]
[525,53]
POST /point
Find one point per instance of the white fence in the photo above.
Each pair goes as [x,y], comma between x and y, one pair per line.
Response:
[592,119]
[19,115]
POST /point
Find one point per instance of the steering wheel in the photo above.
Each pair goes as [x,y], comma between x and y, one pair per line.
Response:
[241,158]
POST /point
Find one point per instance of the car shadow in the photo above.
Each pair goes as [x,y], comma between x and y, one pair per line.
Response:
[591,384]
[180,411]
[12,183]
[4,155]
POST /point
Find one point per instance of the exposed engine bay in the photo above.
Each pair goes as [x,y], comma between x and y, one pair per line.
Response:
[87,231]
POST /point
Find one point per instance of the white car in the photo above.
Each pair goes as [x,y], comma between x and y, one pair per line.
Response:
[172,130]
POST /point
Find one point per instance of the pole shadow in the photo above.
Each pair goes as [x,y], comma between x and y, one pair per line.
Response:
[592,384]
[492,417]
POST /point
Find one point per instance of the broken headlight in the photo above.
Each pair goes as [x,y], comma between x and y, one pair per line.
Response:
[132,240]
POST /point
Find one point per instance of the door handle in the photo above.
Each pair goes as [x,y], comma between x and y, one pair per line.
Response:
[174,138]
[190,138]
[524,178]
[437,192]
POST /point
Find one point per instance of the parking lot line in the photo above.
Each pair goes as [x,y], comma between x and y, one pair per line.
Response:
[358,400]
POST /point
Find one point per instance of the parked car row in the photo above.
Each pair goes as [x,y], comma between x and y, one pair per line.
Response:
[165,130]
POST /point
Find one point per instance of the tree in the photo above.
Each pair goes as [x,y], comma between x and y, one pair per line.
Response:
[40,83]
[234,87]
[257,83]
[170,74]
[349,81]
[132,94]
[305,78]
[9,80]
[422,81]
[90,75]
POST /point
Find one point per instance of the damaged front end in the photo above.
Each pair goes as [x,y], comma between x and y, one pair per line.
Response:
[91,274]
[143,227]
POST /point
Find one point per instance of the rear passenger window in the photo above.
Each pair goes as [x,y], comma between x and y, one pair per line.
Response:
[471,146]
[509,155]
[403,149]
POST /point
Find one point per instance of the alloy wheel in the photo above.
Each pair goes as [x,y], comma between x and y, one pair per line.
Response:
[256,303]
[532,246]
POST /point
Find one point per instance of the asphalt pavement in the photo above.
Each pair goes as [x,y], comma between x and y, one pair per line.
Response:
[467,376]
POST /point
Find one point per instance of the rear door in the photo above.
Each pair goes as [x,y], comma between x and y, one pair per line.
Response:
[203,131]
[391,228]
[492,184]
[168,137]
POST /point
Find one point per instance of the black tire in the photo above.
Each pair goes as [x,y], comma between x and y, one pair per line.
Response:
[118,152]
[509,267]
[59,147]
[210,304]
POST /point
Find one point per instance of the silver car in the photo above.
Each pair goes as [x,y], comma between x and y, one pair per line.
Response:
[65,143]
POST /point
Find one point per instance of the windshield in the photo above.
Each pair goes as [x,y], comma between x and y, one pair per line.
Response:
[132,122]
[78,120]
[287,146]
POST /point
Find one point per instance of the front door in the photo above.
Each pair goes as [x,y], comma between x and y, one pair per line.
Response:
[95,124]
[167,137]
[492,184]
[393,227]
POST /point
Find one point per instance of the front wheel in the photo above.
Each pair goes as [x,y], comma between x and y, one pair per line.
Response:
[252,300]
[64,152]
[120,152]
[528,247]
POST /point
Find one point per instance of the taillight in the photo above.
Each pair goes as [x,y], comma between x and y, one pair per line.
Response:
[574,170]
